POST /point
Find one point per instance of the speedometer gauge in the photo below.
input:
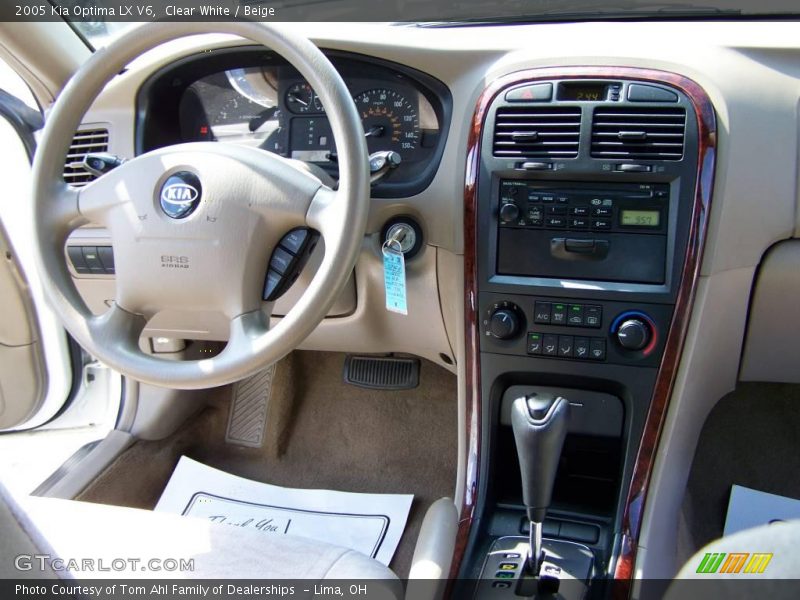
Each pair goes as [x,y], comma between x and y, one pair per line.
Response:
[390,121]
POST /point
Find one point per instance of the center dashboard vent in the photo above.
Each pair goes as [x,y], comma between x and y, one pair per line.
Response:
[537,132]
[638,133]
[84,142]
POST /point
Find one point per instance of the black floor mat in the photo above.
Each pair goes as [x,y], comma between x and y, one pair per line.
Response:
[751,438]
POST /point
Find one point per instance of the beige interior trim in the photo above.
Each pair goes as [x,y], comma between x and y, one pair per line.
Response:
[433,553]
[773,331]
[45,67]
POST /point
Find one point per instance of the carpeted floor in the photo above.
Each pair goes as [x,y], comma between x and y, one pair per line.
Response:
[750,439]
[321,433]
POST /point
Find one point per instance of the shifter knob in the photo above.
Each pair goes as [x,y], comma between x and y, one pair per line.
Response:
[540,424]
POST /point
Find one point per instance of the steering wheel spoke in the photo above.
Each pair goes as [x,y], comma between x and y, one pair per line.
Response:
[63,214]
[119,327]
[97,198]
[323,215]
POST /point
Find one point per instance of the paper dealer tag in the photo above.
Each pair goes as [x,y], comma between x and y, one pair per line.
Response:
[394,280]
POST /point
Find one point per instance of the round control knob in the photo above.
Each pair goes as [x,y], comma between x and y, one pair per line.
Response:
[504,323]
[634,334]
[509,213]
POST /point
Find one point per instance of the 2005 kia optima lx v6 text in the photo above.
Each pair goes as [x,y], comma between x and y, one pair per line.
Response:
[422,300]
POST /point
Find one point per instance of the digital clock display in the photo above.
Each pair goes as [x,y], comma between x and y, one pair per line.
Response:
[583,92]
[640,218]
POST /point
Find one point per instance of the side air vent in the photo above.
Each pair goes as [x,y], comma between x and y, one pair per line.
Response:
[645,133]
[537,132]
[84,142]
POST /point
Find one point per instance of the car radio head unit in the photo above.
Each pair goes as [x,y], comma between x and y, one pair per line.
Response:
[580,230]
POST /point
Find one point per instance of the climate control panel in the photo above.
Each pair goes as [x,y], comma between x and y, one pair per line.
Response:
[571,329]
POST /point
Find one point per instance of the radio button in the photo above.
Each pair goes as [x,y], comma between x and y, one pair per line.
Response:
[579,223]
[602,211]
[579,211]
[601,225]
[593,316]
[556,210]
[541,313]
[556,222]
[575,315]
[559,315]
[562,199]
[509,213]
[548,199]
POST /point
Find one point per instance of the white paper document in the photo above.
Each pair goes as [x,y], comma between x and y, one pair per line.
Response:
[750,508]
[369,523]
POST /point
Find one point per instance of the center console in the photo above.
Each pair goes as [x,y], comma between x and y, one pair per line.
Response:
[586,200]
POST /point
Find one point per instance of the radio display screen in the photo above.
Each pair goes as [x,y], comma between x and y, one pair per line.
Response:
[640,218]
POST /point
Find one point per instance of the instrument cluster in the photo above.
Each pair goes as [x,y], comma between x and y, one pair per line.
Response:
[272,107]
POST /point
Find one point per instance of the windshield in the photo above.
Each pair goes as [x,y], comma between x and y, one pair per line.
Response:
[100,21]
[101,33]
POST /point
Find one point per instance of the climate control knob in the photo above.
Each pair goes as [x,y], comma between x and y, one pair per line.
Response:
[504,323]
[634,334]
[509,212]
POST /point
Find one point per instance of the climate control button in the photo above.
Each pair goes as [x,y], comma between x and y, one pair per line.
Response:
[633,334]
[634,331]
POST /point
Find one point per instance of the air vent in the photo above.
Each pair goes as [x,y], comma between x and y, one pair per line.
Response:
[645,133]
[537,132]
[84,142]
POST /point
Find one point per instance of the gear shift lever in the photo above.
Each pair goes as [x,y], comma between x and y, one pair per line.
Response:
[540,423]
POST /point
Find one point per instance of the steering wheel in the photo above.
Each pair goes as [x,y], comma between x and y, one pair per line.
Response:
[234,204]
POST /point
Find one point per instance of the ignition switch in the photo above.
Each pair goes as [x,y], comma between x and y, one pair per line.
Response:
[404,231]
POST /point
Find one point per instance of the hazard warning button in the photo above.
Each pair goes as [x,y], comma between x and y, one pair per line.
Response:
[540,92]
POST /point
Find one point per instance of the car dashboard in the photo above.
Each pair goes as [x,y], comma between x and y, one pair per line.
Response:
[564,181]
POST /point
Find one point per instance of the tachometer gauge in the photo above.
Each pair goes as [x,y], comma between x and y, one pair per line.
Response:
[390,121]
[253,84]
[301,99]
[236,110]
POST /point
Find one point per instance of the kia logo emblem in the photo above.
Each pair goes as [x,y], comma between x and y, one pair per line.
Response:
[180,194]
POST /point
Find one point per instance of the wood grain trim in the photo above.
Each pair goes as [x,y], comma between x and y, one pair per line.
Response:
[637,494]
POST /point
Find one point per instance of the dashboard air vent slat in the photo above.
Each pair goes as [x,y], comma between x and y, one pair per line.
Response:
[84,142]
[638,133]
[537,132]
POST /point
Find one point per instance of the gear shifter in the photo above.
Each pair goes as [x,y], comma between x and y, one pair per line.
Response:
[539,422]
